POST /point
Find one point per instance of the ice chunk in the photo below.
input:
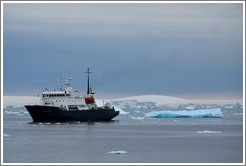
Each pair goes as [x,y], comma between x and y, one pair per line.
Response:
[207,131]
[137,118]
[117,152]
[201,113]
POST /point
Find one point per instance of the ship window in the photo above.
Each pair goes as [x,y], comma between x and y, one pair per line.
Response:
[72,107]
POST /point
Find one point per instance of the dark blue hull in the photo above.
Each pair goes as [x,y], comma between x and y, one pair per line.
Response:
[41,113]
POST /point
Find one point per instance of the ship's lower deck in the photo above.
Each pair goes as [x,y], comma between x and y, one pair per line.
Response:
[41,113]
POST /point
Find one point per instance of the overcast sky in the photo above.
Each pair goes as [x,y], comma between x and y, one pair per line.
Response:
[133,49]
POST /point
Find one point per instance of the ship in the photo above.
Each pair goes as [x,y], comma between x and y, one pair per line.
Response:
[68,106]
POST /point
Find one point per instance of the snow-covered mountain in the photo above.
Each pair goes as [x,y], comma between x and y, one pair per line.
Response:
[20,101]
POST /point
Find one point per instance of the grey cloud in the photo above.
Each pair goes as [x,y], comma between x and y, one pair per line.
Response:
[166,20]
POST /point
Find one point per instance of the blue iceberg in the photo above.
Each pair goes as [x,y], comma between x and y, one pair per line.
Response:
[201,113]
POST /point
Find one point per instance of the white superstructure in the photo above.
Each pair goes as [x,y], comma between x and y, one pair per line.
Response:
[68,99]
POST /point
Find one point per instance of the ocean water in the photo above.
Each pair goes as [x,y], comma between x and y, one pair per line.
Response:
[129,138]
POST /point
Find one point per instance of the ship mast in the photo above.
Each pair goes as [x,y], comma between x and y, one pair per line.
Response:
[88,83]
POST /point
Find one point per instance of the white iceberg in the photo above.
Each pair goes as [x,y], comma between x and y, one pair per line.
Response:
[201,113]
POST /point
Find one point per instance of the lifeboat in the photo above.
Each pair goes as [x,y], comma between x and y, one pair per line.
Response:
[89,100]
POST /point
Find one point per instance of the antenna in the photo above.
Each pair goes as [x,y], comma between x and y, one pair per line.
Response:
[88,84]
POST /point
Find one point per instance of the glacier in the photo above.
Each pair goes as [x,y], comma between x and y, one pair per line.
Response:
[201,113]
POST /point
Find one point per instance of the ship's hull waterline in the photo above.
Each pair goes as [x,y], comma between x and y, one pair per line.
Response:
[41,113]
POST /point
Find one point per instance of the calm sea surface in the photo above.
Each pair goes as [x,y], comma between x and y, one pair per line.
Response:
[128,139]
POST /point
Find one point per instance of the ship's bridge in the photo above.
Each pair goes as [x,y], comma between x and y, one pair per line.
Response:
[55,94]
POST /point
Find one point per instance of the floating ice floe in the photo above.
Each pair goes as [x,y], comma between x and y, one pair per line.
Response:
[207,131]
[201,113]
[137,118]
[118,152]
